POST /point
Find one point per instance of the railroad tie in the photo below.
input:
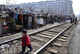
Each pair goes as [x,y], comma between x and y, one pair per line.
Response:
[63,37]
[58,44]
[53,31]
[37,38]
[44,36]
[48,34]
[62,40]
[66,35]
[53,51]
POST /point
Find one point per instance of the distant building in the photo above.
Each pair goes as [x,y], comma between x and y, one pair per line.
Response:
[56,7]
[2,7]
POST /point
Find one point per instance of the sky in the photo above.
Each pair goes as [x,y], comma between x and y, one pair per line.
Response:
[76,6]
[19,1]
[76,3]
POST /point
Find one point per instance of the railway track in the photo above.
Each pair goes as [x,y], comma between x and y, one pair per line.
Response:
[59,45]
[39,40]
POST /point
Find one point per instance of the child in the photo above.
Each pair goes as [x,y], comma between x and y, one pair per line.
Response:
[26,42]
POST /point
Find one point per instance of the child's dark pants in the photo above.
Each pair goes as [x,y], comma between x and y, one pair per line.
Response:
[24,47]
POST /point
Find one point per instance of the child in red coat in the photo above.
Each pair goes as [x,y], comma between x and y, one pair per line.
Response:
[26,42]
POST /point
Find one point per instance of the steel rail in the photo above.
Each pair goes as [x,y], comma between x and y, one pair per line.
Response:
[17,38]
[51,40]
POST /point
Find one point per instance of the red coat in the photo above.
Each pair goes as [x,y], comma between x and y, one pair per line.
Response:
[26,40]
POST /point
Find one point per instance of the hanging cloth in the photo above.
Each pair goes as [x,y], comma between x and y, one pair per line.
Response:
[16,16]
[20,17]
